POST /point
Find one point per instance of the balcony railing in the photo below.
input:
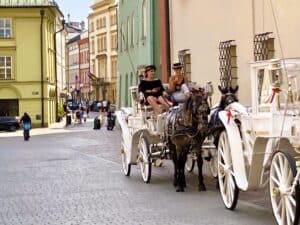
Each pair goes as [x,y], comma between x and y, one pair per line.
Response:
[26,3]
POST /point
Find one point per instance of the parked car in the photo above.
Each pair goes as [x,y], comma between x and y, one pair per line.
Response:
[94,107]
[9,123]
[72,105]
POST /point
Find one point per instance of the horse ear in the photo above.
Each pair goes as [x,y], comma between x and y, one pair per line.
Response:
[234,90]
[223,91]
[220,89]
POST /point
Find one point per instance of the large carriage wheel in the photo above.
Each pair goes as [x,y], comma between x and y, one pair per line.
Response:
[126,166]
[228,188]
[190,162]
[285,203]
[144,159]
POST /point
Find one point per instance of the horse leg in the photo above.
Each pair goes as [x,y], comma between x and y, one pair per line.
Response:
[180,184]
[201,185]
[175,181]
[184,158]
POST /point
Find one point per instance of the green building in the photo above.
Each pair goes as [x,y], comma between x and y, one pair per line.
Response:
[138,43]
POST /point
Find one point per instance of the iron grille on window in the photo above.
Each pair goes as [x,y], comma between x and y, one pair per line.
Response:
[263,46]
[228,64]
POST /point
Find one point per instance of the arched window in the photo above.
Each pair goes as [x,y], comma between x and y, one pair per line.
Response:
[144,19]
[132,30]
[128,33]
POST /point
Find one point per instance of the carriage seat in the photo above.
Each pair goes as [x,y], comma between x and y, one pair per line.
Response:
[139,100]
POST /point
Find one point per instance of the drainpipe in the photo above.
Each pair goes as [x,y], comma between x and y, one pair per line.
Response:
[152,33]
[42,13]
[55,67]
[164,40]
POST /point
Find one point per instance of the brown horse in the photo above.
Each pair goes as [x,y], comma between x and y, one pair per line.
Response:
[187,126]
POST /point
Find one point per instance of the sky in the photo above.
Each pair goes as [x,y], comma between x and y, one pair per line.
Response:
[78,9]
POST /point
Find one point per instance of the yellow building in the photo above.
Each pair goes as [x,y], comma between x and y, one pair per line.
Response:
[27,59]
[103,48]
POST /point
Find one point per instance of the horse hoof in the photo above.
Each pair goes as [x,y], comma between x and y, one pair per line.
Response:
[202,187]
[179,189]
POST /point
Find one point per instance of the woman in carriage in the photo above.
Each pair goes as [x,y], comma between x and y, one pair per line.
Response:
[178,85]
[153,90]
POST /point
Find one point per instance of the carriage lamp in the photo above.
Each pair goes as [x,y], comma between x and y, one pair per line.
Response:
[209,89]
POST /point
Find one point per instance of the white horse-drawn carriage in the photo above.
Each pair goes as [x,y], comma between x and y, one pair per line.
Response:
[144,134]
[262,146]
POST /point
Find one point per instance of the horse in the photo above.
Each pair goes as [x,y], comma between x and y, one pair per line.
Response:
[185,127]
[228,96]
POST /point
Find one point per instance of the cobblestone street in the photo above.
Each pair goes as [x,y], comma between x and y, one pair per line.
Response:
[73,176]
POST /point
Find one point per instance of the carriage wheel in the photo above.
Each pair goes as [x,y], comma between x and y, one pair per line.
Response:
[285,202]
[190,163]
[144,159]
[228,188]
[126,166]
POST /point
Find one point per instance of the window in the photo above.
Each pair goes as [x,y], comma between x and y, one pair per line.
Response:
[102,22]
[228,64]
[98,24]
[144,19]
[113,19]
[5,67]
[132,30]
[128,33]
[114,41]
[114,67]
[263,46]
[102,43]
[92,46]
[185,59]
[92,26]
[5,28]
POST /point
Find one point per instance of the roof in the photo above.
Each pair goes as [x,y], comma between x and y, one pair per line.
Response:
[29,4]
[74,39]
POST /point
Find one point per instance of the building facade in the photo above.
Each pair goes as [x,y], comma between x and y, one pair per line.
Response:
[27,59]
[103,49]
[139,43]
[218,39]
[73,68]
[84,67]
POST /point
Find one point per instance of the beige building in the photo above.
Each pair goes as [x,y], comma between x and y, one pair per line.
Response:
[103,48]
[202,32]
